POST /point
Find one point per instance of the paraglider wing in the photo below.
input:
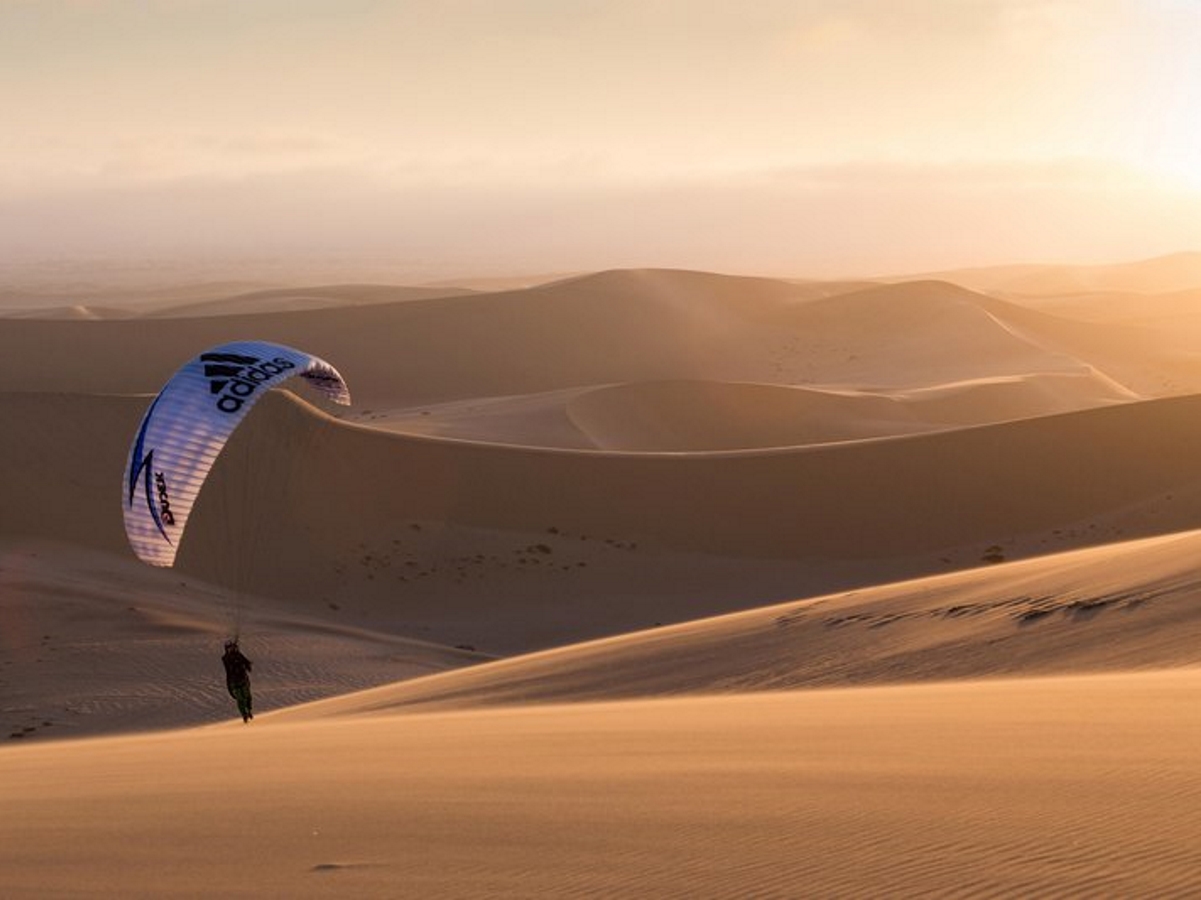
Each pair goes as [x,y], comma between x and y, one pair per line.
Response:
[187,425]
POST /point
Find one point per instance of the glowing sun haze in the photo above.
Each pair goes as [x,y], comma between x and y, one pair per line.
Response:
[461,137]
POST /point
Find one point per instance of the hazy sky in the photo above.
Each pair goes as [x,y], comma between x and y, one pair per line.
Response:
[498,136]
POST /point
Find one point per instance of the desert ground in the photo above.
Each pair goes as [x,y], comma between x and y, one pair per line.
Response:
[628,583]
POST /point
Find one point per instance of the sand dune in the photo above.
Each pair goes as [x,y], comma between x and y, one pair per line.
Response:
[930,333]
[1037,787]
[200,301]
[505,550]
[1172,316]
[671,416]
[405,532]
[613,328]
[41,294]
[289,299]
[1115,608]
[95,644]
[1008,398]
[598,330]
[914,334]
[801,588]
[674,416]
[500,282]
[478,532]
[1174,272]
[964,485]
[683,416]
[75,311]
[529,420]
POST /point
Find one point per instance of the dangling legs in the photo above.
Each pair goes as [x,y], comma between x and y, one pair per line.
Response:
[241,693]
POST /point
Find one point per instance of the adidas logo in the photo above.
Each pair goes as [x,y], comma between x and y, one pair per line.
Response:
[233,377]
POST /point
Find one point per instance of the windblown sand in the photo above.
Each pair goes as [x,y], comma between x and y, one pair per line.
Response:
[640,583]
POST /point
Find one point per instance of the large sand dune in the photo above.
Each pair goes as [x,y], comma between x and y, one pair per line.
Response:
[400,531]
[921,558]
[1115,608]
[1065,787]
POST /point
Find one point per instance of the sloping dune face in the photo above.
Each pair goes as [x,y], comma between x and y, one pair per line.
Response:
[1116,608]
[396,531]
[1041,787]
[915,334]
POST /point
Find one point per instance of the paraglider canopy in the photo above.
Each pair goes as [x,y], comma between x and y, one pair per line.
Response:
[188,424]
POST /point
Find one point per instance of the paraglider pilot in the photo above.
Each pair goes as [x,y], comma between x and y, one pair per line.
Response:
[237,677]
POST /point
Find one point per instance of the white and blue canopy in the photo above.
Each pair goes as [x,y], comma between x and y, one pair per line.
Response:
[187,425]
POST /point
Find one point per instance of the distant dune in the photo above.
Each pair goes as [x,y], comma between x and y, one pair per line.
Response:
[37,294]
[623,327]
[1174,272]
[934,333]
[288,300]
[197,301]
[1172,316]
[77,311]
